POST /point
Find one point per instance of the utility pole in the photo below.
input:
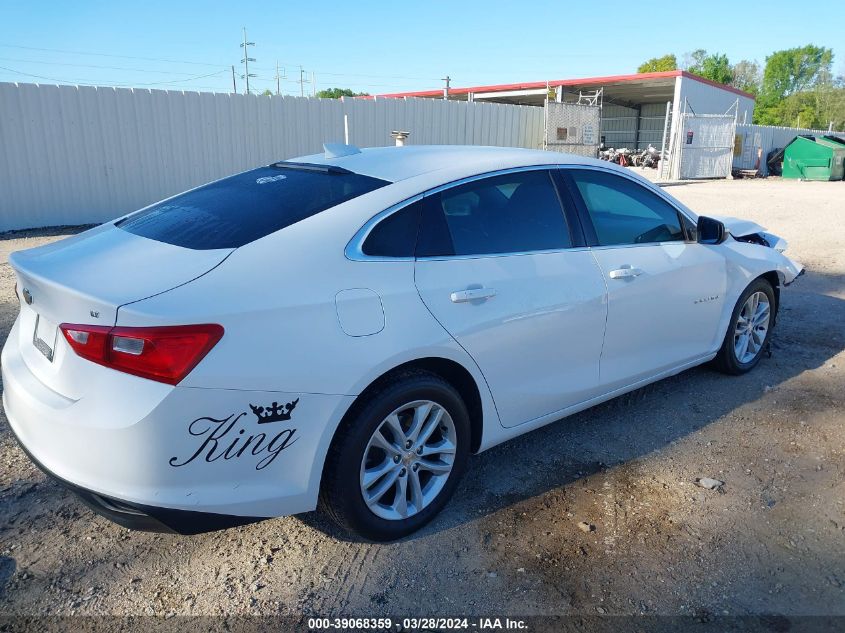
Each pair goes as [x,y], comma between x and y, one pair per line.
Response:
[234,85]
[301,82]
[279,77]
[245,61]
[313,85]
[447,79]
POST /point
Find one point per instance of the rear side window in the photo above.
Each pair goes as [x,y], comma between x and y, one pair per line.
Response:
[512,213]
[395,235]
[624,212]
[238,210]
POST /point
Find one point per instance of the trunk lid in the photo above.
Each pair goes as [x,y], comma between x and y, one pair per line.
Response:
[85,279]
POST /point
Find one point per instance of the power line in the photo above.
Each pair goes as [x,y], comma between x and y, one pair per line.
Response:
[138,70]
[285,63]
[322,72]
[109,83]
[124,84]
[148,59]
[378,85]
[182,61]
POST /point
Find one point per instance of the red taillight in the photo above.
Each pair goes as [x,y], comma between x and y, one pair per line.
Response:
[166,354]
[88,341]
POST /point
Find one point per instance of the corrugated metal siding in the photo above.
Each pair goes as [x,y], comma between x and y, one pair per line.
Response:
[767,138]
[652,122]
[619,126]
[78,155]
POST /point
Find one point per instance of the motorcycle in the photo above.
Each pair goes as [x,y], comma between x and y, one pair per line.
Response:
[649,157]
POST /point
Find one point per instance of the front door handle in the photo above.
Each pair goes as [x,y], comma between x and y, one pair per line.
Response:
[625,272]
[473,294]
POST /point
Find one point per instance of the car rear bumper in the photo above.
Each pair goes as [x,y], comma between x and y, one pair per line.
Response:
[136,516]
[191,459]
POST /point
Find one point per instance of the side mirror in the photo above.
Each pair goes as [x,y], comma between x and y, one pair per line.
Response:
[710,231]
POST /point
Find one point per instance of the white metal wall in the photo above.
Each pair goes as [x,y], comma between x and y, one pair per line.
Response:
[698,97]
[78,155]
[752,138]
[704,98]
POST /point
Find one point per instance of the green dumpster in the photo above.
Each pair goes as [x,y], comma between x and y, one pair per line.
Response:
[819,158]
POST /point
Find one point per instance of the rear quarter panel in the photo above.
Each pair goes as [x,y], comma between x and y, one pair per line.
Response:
[276,299]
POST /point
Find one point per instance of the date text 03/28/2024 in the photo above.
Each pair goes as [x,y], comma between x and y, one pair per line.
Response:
[417,624]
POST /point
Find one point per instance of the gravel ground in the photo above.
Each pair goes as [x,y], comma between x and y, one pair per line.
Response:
[770,541]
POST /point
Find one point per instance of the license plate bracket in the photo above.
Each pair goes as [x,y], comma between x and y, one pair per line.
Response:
[45,336]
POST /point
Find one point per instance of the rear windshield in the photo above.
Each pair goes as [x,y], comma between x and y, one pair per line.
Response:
[243,208]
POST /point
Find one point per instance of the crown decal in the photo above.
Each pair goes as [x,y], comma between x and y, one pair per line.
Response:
[274,413]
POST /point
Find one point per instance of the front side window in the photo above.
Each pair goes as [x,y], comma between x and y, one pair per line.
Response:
[512,213]
[623,212]
[240,209]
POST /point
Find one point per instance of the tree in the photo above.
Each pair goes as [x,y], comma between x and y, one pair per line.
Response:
[746,76]
[798,82]
[714,67]
[717,68]
[694,59]
[795,69]
[658,64]
[813,109]
[337,93]
[266,93]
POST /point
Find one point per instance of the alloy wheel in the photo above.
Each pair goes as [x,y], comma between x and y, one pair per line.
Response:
[408,460]
[752,325]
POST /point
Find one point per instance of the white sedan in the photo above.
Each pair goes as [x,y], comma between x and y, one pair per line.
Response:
[344,329]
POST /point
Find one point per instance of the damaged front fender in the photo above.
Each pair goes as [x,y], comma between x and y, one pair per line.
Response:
[748,232]
[789,271]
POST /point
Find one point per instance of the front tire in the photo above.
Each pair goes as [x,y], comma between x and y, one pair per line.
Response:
[397,458]
[749,330]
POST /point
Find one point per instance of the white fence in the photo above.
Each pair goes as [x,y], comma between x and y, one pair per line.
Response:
[703,144]
[755,137]
[77,155]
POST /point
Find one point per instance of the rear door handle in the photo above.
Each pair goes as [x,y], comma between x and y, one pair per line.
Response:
[473,294]
[625,272]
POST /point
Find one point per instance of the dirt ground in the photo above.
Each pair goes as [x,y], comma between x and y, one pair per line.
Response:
[770,541]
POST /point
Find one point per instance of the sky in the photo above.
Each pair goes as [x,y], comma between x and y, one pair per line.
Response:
[382,47]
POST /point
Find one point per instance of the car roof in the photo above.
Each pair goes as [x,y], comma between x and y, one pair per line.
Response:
[400,163]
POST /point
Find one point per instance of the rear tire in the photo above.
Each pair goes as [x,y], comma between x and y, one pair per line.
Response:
[397,458]
[749,329]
